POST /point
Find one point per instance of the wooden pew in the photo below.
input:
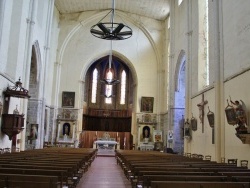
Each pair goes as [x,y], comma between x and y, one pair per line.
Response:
[137,165]
[198,184]
[61,174]
[27,181]
[65,163]
[147,179]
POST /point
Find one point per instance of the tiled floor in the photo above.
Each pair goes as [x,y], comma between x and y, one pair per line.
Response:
[104,173]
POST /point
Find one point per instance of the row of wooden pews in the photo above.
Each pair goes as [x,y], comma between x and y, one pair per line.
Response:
[159,170]
[48,167]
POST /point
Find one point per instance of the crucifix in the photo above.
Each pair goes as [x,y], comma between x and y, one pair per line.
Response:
[201,111]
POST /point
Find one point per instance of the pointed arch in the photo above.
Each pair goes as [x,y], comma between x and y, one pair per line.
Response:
[179,66]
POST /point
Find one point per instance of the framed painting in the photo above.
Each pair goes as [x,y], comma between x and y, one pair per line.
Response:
[157,136]
[147,104]
[68,99]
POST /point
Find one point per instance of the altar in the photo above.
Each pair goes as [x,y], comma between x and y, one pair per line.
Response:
[104,144]
[146,146]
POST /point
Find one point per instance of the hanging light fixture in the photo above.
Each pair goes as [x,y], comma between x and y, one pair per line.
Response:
[111,30]
[109,80]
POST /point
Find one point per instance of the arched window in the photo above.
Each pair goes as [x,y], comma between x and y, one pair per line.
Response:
[179,2]
[106,86]
[94,85]
[123,87]
[203,65]
[109,88]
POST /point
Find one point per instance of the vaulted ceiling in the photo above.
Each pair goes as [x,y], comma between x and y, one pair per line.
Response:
[155,9]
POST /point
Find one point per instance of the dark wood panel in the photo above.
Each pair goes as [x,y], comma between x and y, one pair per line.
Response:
[116,124]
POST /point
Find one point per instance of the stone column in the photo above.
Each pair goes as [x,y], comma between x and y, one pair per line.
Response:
[216,64]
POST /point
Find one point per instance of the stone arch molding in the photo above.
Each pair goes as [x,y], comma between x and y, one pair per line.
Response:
[38,59]
[179,65]
[117,54]
[99,16]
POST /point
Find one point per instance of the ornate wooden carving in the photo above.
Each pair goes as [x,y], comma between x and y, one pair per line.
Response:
[245,138]
[12,124]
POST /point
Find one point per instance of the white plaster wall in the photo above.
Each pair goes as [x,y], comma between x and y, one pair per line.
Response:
[238,89]
[14,24]
[233,51]
[201,142]
[236,32]
[52,62]
[19,29]
[81,49]
[5,17]
[194,46]
[178,39]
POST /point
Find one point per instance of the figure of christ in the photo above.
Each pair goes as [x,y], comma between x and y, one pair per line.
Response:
[201,109]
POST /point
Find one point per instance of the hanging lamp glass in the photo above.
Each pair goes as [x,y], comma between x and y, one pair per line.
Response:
[109,80]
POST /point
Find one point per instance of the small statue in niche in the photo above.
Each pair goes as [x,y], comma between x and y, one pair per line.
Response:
[16,111]
[240,111]
[187,131]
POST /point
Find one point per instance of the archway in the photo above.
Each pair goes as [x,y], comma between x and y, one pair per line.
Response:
[34,104]
[115,114]
[179,104]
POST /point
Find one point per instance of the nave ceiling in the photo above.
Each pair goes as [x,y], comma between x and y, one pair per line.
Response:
[155,9]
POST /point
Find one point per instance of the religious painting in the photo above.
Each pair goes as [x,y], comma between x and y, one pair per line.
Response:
[157,136]
[231,115]
[147,104]
[158,146]
[68,99]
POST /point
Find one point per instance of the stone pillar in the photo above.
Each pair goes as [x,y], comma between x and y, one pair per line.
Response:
[216,64]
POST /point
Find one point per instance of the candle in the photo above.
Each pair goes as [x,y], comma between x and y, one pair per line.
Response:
[96,133]
[117,134]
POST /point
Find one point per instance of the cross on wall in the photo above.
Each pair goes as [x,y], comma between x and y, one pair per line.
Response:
[201,111]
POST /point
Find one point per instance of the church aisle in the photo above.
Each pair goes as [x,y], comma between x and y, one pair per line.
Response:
[104,173]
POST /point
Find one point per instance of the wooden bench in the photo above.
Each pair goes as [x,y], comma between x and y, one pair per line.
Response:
[27,181]
[61,174]
[144,167]
[67,164]
[147,179]
[198,184]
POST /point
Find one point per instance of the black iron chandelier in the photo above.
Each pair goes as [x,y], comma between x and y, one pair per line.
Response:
[111,30]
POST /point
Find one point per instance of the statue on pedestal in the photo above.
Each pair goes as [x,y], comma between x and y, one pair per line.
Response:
[240,115]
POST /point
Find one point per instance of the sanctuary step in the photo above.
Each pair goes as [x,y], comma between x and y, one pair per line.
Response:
[106,152]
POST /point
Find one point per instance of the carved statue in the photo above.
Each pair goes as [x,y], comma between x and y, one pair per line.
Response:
[240,111]
[201,109]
